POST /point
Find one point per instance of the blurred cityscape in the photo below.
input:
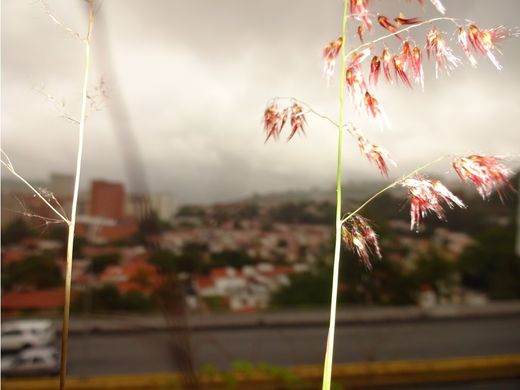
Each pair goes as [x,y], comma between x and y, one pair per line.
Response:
[270,251]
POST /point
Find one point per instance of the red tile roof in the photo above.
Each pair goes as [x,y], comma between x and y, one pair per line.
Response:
[204,282]
[33,300]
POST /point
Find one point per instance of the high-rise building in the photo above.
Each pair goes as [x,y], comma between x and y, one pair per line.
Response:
[161,203]
[107,199]
[164,204]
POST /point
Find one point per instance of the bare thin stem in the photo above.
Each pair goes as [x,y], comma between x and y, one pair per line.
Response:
[329,353]
[417,170]
[59,107]
[7,163]
[49,13]
[70,238]
[347,126]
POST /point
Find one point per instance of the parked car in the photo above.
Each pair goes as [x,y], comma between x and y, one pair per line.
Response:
[17,335]
[32,362]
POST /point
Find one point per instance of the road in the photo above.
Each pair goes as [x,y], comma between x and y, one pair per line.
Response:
[152,351]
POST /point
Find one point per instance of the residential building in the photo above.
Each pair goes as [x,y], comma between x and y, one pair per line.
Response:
[107,199]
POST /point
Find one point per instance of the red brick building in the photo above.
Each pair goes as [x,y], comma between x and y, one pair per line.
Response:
[107,200]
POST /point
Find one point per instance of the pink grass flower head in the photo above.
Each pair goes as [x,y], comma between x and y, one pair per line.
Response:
[375,69]
[427,196]
[385,23]
[330,52]
[356,85]
[359,8]
[373,108]
[483,41]
[374,153]
[406,21]
[274,119]
[361,33]
[437,3]
[297,120]
[386,59]
[399,68]
[406,54]
[417,68]
[444,57]
[487,173]
[440,7]
[359,57]
[462,38]
[361,239]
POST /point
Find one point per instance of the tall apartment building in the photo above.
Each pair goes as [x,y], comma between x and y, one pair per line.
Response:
[107,199]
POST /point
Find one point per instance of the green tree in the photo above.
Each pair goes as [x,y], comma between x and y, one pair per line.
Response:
[231,258]
[99,263]
[165,261]
[307,289]
[38,271]
[434,270]
[491,265]
[384,284]
[16,231]
[136,301]
[106,297]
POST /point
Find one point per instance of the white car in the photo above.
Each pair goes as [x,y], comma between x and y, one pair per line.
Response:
[17,335]
[32,361]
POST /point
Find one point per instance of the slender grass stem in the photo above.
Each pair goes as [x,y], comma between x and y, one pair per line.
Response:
[72,224]
[329,353]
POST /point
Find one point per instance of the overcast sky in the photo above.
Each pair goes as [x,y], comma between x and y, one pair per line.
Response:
[194,78]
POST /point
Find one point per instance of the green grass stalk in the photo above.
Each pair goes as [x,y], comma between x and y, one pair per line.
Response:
[329,353]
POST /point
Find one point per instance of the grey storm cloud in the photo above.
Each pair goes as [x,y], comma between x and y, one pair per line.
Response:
[191,79]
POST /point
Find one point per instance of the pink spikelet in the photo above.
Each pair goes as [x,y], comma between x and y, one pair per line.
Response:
[462,38]
[361,33]
[440,7]
[444,57]
[406,21]
[297,120]
[373,108]
[375,70]
[359,57]
[360,238]
[406,55]
[374,153]
[483,41]
[356,85]
[385,23]
[359,9]
[274,119]
[417,68]
[487,173]
[427,196]
[330,52]
[399,68]
[386,59]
